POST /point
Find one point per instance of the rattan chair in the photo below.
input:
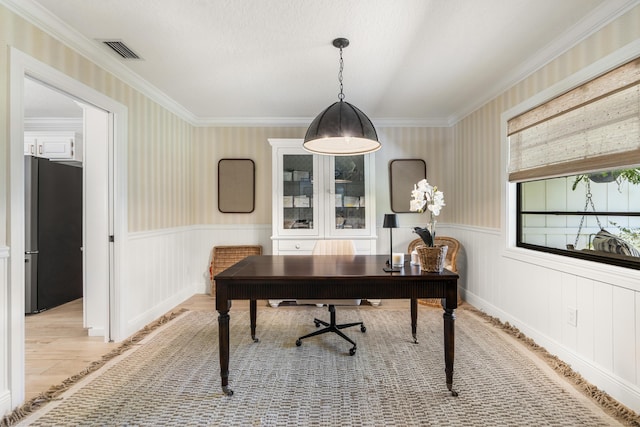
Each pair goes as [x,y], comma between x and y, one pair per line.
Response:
[223,257]
[333,247]
[449,263]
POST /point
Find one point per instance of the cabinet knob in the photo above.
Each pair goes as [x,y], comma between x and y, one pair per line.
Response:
[297,245]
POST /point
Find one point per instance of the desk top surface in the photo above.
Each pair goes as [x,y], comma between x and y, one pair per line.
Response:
[327,266]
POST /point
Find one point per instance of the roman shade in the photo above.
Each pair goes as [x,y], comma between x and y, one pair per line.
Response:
[595,126]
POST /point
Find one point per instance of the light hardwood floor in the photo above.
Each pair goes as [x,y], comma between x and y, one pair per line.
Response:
[57,346]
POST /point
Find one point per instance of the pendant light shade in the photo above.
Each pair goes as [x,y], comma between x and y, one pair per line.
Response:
[341,129]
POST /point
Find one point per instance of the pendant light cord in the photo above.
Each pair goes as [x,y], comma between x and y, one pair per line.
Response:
[341,94]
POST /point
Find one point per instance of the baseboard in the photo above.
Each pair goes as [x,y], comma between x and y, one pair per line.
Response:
[5,403]
[96,332]
[621,390]
[159,310]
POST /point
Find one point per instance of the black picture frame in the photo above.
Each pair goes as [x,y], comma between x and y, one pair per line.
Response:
[236,185]
[403,174]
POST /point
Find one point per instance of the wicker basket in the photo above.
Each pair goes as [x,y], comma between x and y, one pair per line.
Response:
[432,258]
[224,257]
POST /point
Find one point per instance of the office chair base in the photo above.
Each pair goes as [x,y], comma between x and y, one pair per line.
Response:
[335,328]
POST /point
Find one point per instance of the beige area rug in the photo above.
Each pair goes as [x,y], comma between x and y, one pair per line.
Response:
[172,377]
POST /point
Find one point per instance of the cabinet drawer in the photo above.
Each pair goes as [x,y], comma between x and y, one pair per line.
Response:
[296,245]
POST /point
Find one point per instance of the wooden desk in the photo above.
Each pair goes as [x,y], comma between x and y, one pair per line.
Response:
[330,277]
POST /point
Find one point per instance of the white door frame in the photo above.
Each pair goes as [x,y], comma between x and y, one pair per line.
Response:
[21,65]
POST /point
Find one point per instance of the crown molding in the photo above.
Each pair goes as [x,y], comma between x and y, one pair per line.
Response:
[305,121]
[433,122]
[52,25]
[53,123]
[601,16]
[40,17]
[253,121]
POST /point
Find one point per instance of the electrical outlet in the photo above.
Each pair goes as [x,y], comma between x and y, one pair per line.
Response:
[572,316]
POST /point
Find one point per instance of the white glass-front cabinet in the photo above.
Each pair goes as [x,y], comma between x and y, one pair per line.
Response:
[320,197]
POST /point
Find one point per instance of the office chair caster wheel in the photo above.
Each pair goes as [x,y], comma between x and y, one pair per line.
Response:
[363,329]
[298,343]
[317,324]
[352,351]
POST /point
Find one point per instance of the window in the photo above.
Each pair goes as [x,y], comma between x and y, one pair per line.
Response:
[576,162]
[566,216]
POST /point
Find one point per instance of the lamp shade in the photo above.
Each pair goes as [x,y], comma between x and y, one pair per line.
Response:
[341,130]
[390,221]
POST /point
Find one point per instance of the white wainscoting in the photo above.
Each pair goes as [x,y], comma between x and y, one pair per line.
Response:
[206,237]
[529,290]
[534,292]
[165,267]
[154,277]
[5,392]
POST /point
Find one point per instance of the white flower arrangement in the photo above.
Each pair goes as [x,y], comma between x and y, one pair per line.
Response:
[426,197]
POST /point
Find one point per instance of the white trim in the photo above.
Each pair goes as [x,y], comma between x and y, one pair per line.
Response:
[138,235]
[91,49]
[627,393]
[601,66]
[52,123]
[508,196]
[601,16]
[433,122]
[473,228]
[141,320]
[16,309]
[616,276]
[21,65]
[5,402]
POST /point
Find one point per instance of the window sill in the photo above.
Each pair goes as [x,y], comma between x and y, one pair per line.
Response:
[619,276]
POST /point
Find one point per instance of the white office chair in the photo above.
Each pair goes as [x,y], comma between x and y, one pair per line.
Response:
[333,247]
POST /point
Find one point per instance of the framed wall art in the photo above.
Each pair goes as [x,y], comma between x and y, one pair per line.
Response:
[403,174]
[236,185]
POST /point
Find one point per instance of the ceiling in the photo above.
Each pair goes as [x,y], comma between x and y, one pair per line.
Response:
[411,62]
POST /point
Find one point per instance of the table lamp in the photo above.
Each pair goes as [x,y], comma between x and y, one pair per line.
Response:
[390,222]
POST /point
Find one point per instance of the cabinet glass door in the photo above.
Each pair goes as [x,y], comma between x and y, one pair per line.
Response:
[299,212]
[349,203]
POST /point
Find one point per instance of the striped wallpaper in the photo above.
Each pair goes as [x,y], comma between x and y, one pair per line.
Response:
[214,143]
[160,143]
[477,141]
[172,167]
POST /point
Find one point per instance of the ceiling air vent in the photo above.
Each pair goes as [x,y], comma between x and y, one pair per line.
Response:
[121,49]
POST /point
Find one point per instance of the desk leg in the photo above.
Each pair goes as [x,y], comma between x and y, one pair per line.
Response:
[223,342]
[449,352]
[252,317]
[414,319]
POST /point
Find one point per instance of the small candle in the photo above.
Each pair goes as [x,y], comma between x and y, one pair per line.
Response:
[415,260]
[398,259]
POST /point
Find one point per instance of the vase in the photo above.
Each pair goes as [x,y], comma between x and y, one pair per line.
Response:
[431,226]
[432,258]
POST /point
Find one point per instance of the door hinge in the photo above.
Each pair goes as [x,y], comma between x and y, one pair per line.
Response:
[111,239]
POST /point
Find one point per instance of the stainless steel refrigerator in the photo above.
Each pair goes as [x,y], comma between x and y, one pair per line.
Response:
[53,234]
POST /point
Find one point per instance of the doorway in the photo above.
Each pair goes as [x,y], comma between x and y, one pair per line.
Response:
[47,110]
[53,126]
[104,124]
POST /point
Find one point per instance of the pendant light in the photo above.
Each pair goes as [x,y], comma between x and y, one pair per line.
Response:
[341,129]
